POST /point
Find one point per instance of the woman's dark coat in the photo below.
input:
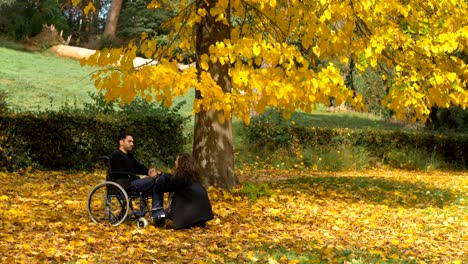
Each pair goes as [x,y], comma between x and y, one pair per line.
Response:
[189,202]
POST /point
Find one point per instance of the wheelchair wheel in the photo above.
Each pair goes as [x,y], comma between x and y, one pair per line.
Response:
[108,203]
[142,222]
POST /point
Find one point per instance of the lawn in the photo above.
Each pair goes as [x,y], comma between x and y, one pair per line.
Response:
[376,216]
[36,81]
[41,81]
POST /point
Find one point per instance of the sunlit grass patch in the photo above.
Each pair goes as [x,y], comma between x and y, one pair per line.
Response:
[388,191]
[310,252]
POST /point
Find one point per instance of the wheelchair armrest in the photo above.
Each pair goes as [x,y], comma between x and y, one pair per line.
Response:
[121,178]
[118,175]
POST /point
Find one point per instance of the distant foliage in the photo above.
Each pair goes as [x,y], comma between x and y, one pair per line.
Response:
[25,18]
[105,42]
[135,18]
[373,90]
[453,118]
[6,2]
[49,36]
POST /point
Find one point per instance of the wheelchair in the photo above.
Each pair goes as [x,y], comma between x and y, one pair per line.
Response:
[108,202]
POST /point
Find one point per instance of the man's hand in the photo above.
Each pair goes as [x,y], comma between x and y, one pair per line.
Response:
[153,172]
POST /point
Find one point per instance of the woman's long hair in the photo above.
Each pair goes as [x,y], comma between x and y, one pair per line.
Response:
[187,169]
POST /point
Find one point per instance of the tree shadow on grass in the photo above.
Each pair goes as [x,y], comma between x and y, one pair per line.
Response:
[312,252]
[374,190]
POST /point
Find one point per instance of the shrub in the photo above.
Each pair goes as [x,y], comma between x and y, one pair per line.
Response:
[331,158]
[269,131]
[413,158]
[253,191]
[99,104]
[14,151]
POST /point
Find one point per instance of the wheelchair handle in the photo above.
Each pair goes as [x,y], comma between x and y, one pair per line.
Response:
[106,160]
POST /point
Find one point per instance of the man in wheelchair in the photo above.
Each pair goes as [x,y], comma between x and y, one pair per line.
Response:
[134,176]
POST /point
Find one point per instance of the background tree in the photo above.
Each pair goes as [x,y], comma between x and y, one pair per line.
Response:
[247,59]
[113,18]
[6,2]
[86,19]
[135,18]
[21,19]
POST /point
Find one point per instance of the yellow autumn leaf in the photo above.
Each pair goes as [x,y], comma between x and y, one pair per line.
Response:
[202,12]
[272,261]
[257,49]
[184,44]
[154,4]
[89,8]
[253,235]
[204,62]
[451,76]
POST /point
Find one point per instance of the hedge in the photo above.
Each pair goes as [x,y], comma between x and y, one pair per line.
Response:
[452,147]
[274,134]
[72,140]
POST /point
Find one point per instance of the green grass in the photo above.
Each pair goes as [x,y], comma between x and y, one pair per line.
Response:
[42,81]
[9,43]
[39,81]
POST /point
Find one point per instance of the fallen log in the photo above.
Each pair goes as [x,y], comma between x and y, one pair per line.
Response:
[83,53]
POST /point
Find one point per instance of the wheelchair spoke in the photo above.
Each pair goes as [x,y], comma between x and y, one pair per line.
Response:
[108,202]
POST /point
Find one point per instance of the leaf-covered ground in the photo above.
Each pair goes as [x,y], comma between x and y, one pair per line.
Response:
[377,216]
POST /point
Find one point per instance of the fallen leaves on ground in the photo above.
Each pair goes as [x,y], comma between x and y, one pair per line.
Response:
[372,216]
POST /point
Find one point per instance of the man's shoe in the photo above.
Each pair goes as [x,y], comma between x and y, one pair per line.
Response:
[159,222]
[157,214]
[158,217]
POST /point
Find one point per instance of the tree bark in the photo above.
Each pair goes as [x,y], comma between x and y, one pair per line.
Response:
[113,18]
[212,145]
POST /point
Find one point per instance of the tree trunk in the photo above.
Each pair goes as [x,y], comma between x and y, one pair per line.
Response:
[113,18]
[212,144]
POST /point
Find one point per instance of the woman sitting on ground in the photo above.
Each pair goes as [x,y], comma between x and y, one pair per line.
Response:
[189,205]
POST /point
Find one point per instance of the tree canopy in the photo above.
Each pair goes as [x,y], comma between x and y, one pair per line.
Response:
[275,48]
